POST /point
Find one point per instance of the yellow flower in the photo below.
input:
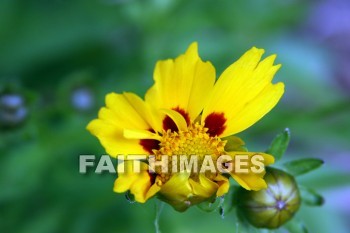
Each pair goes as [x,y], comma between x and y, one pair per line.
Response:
[186,112]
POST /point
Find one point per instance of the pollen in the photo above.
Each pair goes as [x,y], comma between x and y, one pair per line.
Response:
[194,141]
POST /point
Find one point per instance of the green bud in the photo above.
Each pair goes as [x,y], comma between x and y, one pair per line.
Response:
[272,207]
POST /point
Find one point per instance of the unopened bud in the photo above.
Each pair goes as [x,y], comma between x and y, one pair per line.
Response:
[271,207]
[13,111]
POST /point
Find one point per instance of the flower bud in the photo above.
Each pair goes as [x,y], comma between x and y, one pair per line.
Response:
[82,99]
[13,111]
[273,206]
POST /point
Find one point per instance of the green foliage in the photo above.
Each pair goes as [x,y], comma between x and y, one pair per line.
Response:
[302,166]
[279,145]
[311,197]
[255,208]
[295,226]
[49,48]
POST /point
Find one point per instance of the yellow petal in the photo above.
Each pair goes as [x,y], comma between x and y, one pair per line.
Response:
[177,187]
[112,139]
[154,189]
[141,187]
[203,189]
[256,109]
[182,83]
[251,180]
[178,119]
[146,111]
[139,184]
[268,159]
[129,111]
[177,192]
[127,178]
[140,134]
[224,185]
[124,112]
[240,85]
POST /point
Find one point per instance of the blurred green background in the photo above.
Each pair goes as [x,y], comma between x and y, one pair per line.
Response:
[59,58]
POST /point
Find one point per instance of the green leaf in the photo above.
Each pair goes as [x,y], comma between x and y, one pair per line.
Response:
[295,226]
[310,196]
[302,166]
[279,145]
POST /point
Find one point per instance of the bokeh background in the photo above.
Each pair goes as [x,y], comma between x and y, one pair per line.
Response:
[59,58]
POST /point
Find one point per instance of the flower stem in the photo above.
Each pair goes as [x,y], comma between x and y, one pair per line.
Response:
[159,207]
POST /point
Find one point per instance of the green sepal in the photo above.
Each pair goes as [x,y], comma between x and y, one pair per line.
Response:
[295,226]
[234,143]
[302,166]
[310,197]
[279,144]
[210,205]
[230,200]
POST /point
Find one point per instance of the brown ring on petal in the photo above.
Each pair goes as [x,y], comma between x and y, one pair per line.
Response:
[150,144]
[215,122]
[168,123]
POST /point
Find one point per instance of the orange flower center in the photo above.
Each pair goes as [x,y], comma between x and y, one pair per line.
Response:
[196,141]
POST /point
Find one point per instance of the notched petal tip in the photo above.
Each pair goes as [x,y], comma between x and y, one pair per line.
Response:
[256,50]
[279,87]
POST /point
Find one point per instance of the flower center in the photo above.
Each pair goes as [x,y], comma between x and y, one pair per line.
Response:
[195,142]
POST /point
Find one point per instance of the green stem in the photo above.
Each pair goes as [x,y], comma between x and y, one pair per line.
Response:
[159,208]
